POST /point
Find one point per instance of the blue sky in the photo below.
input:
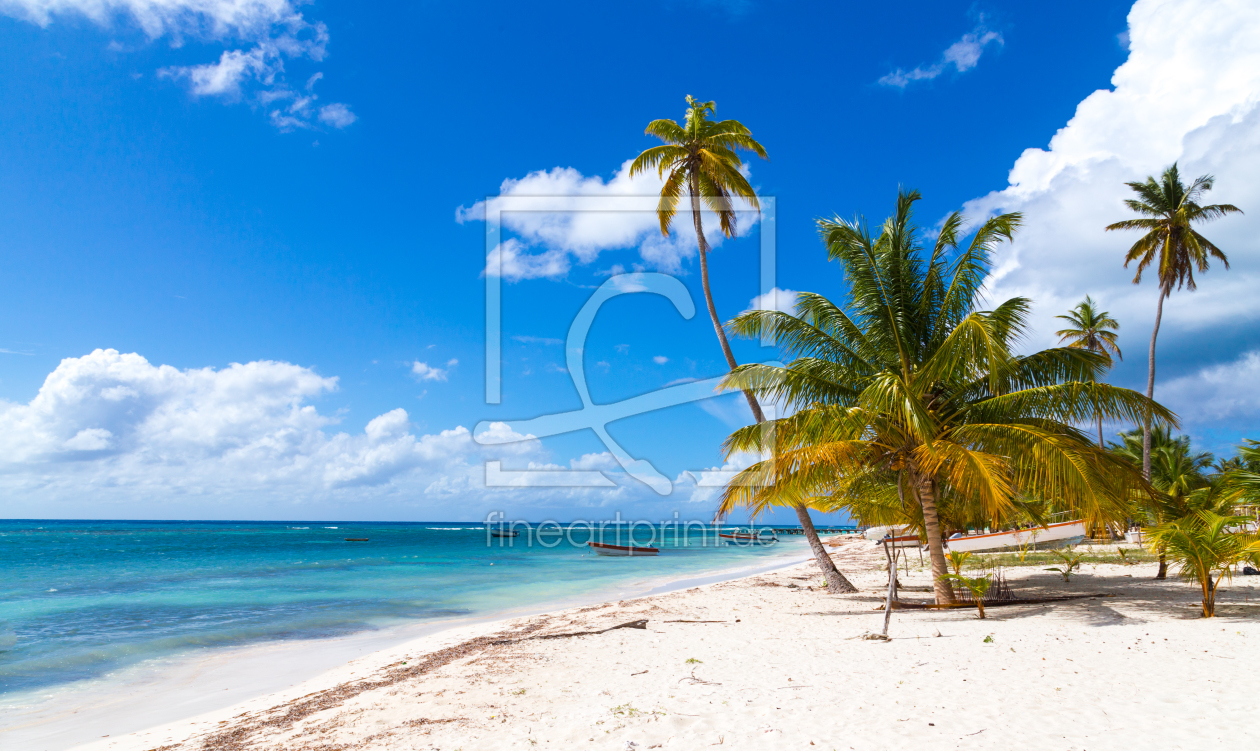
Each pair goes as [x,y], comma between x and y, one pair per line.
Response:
[288,186]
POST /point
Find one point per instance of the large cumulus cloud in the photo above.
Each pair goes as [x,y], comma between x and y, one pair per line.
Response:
[1188,93]
[119,427]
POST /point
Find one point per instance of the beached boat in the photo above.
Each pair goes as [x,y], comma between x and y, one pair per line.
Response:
[901,537]
[1039,538]
[900,541]
[603,548]
[747,538]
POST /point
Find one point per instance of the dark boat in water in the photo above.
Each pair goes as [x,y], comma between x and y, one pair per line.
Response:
[603,548]
[504,533]
[748,538]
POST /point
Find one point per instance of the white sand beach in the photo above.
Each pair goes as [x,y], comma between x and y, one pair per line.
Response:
[772,661]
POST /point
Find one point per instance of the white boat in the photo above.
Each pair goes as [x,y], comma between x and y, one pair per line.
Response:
[603,548]
[901,537]
[900,541]
[1039,538]
[879,533]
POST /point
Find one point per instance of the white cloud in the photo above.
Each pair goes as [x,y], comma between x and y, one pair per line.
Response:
[274,29]
[90,439]
[782,300]
[632,282]
[1189,92]
[1226,391]
[962,56]
[705,487]
[660,359]
[337,115]
[568,220]
[224,77]
[111,434]
[425,372]
[111,426]
[511,260]
[603,461]
[215,18]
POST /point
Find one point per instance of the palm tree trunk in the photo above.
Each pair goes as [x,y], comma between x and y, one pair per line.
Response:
[1163,565]
[1164,290]
[1100,435]
[936,547]
[708,299]
[836,583]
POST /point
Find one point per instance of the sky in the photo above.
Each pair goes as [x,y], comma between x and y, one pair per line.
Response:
[245,248]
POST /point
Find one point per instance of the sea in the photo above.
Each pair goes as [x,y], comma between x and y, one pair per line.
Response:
[88,605]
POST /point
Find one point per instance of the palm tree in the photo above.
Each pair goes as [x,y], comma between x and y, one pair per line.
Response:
[911,386]
[1177,473]
[700,157]
[1093,330]
[1169,210]
[1207,543]
[1249,455]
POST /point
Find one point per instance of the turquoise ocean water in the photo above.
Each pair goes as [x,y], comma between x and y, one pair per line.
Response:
[80,599]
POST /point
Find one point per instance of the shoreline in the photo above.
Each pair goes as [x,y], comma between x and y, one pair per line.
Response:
[771,661]
[164,691]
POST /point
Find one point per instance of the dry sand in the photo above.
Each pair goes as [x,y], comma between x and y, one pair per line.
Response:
[773,662]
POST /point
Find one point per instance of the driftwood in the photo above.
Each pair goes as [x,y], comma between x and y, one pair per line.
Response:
[901,605]
[629,624]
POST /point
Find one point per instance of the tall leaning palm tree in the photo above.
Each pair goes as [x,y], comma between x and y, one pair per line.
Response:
[1169,210]
[700,160]
[910,385]
[1094,330]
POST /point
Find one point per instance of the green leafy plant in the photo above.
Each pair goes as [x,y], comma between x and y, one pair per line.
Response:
[1179,474]
[1124,556]
[694,661]
[989,640]
[1071,562]
[1024,547]
[914,385]
[978,586]
[956,560]
[1206,549]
